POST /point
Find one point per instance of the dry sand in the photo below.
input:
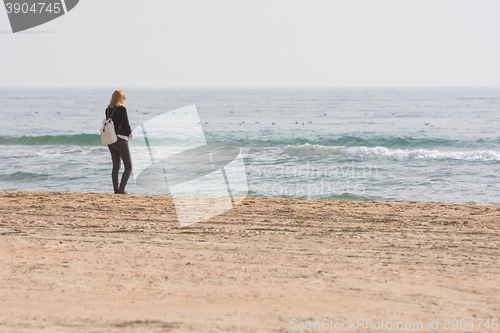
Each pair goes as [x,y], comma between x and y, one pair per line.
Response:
[109,263]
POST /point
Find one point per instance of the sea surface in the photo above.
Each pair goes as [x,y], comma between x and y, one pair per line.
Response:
[437,145]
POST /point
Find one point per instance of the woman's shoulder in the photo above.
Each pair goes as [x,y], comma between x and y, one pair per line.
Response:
[117,109]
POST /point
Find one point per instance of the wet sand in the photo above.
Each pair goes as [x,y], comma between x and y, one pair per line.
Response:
[109,263]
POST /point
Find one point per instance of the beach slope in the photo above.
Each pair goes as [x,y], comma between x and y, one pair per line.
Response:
[108,263]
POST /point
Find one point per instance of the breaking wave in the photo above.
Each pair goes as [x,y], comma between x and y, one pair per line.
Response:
[307,150]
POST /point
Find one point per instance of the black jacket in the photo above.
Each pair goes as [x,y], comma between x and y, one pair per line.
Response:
[120,118]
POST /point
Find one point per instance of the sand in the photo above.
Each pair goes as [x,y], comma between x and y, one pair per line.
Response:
[120,263]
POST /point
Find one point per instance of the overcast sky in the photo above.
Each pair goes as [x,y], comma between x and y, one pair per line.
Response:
[254,43]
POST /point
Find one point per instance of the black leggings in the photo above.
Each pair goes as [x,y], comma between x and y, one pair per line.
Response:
[119,150]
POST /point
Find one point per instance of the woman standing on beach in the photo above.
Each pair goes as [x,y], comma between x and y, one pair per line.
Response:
[119,150]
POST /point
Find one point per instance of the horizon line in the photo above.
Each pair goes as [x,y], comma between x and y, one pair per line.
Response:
[270,88]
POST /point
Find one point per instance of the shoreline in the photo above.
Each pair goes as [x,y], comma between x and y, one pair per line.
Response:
[75,262]
[270,198]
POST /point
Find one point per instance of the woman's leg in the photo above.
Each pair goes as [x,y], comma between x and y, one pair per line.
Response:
[115,157]
[123,149]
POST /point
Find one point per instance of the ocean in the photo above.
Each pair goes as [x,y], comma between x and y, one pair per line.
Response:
[425,145]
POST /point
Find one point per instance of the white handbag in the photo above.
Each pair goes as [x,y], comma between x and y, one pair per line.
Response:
[108,134]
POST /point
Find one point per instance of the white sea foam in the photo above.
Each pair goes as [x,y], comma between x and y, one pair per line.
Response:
[382,152]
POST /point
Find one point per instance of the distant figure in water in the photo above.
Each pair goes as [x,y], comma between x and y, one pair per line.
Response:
[119,150]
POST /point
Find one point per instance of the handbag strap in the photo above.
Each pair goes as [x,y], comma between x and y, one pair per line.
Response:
[112,116]
[111,113]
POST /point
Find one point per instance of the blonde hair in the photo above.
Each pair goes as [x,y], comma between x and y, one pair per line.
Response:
[117,99]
